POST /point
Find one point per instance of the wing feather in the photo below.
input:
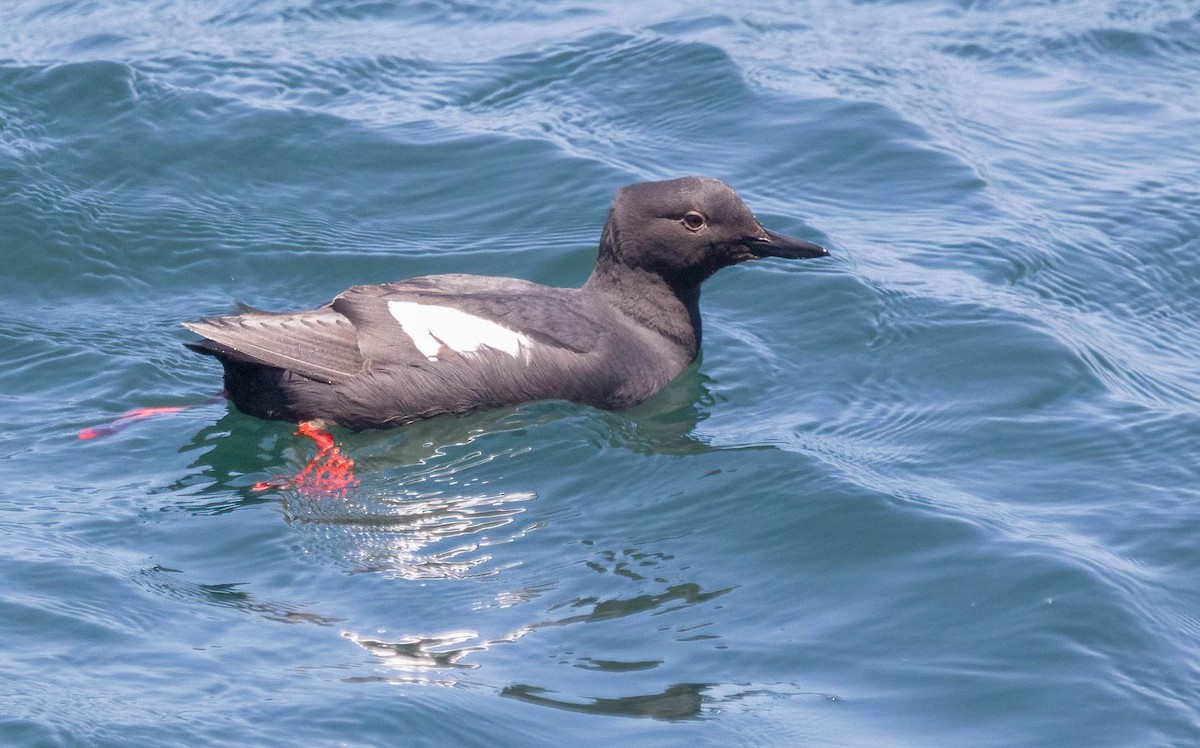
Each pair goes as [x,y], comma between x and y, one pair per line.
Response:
[356,331]
[549,315]
[319,344]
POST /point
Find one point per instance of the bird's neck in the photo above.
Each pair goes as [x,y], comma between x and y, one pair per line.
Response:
[670,309]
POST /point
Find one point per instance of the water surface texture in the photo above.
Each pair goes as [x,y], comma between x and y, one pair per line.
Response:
[942,488]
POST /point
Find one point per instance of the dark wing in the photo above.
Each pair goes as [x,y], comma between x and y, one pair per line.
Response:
[551,316]
[356,331]
[319,343]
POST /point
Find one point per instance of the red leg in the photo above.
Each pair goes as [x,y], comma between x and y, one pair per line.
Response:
[329,472]
[139,414]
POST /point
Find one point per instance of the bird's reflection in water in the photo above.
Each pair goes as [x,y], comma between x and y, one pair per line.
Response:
[678,701]
[437,500]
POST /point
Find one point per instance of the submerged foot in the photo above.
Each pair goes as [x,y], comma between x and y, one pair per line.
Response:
[329,472]
[140,414]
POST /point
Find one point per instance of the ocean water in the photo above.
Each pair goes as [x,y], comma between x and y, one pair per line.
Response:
[941,488]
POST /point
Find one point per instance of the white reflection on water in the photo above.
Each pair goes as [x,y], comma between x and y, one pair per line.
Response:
[415,536]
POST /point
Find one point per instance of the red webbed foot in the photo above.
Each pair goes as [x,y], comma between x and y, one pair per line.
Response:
[330,472]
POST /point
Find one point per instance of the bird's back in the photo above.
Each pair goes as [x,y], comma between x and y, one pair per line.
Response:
[379,356]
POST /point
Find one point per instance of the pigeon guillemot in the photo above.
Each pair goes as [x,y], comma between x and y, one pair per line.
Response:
[380,356]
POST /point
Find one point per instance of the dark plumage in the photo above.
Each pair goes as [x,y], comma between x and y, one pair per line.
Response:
[379,356]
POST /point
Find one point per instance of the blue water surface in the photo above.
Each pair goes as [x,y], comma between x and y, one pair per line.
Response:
[942,488]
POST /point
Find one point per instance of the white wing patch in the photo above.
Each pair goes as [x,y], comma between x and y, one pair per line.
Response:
[431,327]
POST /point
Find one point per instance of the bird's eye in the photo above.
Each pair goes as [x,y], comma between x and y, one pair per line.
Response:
[694,220]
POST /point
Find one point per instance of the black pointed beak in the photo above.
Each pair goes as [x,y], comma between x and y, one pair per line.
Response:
[770,244]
